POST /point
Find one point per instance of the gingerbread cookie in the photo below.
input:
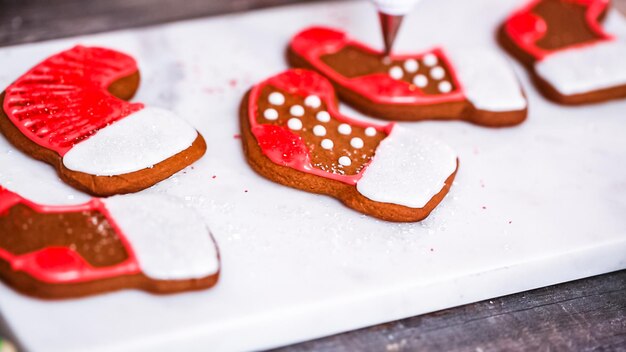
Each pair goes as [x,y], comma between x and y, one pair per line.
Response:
[293,134]
[477,86]
[70,111]
[145,242]
[569,56]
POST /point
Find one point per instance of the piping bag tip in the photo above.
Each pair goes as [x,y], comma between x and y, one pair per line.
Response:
[389,25]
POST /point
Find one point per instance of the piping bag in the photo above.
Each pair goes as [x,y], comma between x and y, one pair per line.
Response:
[391,13]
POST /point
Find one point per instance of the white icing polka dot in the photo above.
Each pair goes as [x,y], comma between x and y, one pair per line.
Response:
[296,110]
[370,131]
[270,114]
[356,142]
[437,72]
[344,128]
[323,116]
[319,130]
[396,72]
[313,101]
[445,87]
[411,65]
[345,161]
[420,81]
[430,60]
[294,124]
[327,144]
[276,98]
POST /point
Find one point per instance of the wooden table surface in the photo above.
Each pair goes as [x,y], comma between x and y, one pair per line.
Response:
[584,315]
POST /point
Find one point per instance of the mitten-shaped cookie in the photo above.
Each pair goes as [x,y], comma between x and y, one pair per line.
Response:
[293,134]
[145,242]
[477,86]
[70,111]
[569,56]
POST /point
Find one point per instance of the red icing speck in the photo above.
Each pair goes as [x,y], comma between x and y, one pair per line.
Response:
[525,28]
[237,136]
[315,42]
[64,99]
[62,264]
[286,148]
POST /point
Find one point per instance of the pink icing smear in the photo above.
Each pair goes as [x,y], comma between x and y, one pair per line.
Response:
[64,99]
[60,265]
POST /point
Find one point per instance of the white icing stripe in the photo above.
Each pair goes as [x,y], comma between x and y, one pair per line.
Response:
[585,69]
[407,169]
[488,80]
[169,240]
[139,141]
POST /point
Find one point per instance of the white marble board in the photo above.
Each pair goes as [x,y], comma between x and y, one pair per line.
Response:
[534,205]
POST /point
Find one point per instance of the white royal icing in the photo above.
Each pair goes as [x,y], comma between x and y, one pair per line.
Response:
[430,60]
[327,144]
[370,131]
[294,124]
[319,130]
[356,143]
[270,114]
[323,116]
[276,98]
[411,65]
[344,129]
[420,81]
[408,169]
[585,69]
[345,161]
[170,241]
[488,80]
[296,110]
[139,141]
[313,101]
[396,72]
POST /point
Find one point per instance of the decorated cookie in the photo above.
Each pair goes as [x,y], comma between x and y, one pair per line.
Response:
[477,86]
[570,57]
[145,242]
[70,111]
[293,134]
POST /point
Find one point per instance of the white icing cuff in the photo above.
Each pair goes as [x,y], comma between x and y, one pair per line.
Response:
[138,141]
[408,169]
[585,69]
[488,80]
[170,241]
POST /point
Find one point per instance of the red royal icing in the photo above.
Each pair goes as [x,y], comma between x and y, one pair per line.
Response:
[525,28]
[64,99]
[315,42]
[286,148]
[60,264]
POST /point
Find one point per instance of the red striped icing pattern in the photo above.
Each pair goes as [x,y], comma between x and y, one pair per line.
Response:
[64,99]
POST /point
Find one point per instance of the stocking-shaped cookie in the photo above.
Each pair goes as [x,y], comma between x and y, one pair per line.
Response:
[477,86]
[570,57]
[294,134]
[145,242]
[70,111]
